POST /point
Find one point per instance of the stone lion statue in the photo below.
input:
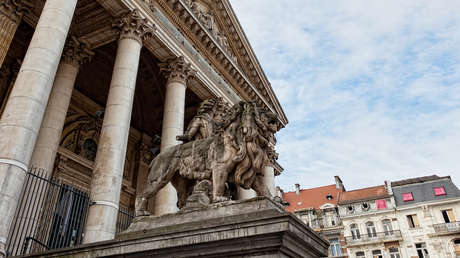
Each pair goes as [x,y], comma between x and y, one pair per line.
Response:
[222,147]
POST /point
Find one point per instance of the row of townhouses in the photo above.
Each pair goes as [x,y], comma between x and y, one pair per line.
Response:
[412,218]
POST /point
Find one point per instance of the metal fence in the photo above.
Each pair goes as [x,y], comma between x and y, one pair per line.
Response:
[51,214]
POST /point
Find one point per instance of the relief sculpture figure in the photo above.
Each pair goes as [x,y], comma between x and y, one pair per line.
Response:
[222,146]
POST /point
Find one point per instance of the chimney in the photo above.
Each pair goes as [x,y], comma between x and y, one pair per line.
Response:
[279,192]
[297,189]
[388,187]
[339,183]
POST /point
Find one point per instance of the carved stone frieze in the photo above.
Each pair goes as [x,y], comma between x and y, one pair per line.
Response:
[76,52]
[178,70]
[206,17]
[15,9]
[133,26]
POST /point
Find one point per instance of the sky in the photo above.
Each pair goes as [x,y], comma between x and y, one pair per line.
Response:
[371,88]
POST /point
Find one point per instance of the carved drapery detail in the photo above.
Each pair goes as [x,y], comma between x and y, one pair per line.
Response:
[76,52]
[133,26]
[15,9]
[178,70]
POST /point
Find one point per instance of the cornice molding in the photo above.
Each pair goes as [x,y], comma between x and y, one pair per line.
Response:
[184,18]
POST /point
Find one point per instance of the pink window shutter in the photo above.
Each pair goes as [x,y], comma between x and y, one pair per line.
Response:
[439,191]
[407,197]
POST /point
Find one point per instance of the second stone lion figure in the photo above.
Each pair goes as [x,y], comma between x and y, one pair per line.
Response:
[223,148]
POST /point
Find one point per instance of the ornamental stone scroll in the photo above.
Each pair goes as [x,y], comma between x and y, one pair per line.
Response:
[133,26]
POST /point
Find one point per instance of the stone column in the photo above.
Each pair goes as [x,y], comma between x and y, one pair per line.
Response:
[11,12]
[111,153]
[269,178]
[23,114]
[75,53]
[243,194]
[173,124]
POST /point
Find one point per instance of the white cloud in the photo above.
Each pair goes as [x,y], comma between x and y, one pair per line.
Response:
[371,88]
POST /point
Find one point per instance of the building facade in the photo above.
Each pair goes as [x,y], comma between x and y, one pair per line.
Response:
[416,217]
[318,208]
[427,208]
[91,91]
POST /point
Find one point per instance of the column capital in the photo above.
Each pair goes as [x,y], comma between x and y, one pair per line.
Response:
[178,70]
[76,52]
[15,9]
[133,26]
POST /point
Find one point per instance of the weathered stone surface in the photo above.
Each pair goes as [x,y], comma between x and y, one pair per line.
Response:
[230,149]
[257,227]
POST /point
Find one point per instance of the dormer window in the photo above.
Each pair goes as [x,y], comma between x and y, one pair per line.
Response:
[329,197]
[438,191]
[407,197]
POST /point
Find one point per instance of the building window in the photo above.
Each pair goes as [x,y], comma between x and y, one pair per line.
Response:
[448,215]
[422,252]
[336,250]
[377,254]
[381,204]
[365,206]
[355,232]
[413,221]
[439,191]
[407,197]
[394,252]
[457,248]
[387,227]
[370,227]
[360,254]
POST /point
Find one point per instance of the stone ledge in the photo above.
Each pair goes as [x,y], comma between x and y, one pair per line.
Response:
[252,228]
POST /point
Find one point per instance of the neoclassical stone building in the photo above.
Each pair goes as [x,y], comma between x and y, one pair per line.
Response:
[92,90]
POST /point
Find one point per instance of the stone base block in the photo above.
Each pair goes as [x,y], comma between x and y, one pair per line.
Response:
[257,227]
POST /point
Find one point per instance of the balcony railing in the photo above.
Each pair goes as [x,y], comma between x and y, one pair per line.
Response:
[366,238]
[447,228]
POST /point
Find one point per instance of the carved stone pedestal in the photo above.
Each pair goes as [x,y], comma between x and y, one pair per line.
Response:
[256,227]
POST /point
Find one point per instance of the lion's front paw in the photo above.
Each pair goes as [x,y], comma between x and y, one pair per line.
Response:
[221,199]
[143,213]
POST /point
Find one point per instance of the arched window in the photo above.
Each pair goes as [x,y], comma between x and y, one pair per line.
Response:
[387,227]
[355,231]
[370,227]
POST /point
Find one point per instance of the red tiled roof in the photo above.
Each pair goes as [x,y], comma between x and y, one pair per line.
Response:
[369,193]
[311,198]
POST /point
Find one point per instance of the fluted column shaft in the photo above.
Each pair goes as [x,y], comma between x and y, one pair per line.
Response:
[48,139]
[23,114]
[11,13]
[173,125]
[111,153]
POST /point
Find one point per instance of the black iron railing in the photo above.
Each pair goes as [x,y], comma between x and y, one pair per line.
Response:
[51,214]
